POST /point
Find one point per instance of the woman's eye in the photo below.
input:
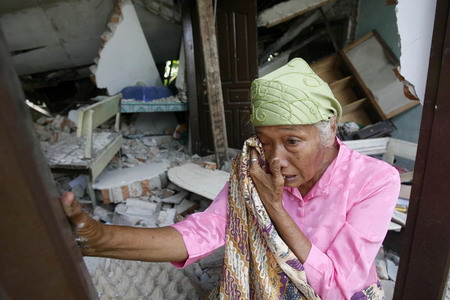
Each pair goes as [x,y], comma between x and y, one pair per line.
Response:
[293,141]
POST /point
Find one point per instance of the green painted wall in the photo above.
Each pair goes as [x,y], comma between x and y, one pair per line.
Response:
[376,14]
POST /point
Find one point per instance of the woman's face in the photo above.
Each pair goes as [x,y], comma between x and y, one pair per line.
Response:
[302,157]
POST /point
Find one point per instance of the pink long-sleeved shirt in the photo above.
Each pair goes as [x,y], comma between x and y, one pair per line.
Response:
[345,216]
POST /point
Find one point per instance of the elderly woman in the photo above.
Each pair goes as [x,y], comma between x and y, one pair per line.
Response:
[302,216]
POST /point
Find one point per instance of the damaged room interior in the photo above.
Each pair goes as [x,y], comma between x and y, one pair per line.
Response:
[140,109]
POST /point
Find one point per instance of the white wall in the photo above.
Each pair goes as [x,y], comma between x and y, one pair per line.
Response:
[415,20]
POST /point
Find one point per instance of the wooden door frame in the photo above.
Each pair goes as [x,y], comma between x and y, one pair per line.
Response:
[425,250]
[39,257]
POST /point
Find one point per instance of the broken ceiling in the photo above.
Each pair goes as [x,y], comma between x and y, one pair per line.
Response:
[45,35]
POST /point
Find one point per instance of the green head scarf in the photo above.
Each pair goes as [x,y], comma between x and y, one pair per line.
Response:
[292,95]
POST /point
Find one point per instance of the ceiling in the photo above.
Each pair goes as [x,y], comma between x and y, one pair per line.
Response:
[49,35]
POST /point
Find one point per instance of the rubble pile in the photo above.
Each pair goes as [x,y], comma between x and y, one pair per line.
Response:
[51,130]
[147,149]
[120,279]
[163,207]
[386,264]
[205,273]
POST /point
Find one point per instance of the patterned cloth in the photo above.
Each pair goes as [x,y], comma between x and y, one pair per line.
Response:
[258,264]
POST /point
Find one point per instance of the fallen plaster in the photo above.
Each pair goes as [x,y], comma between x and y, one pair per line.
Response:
[287,10]
[199,180]
[125,59]
[415,40]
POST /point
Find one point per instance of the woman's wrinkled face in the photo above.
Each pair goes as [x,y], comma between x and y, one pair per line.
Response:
[302,157]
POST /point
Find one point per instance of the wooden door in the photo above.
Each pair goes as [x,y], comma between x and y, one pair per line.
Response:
[236,37]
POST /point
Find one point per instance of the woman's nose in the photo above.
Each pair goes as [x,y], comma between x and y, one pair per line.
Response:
[281,155]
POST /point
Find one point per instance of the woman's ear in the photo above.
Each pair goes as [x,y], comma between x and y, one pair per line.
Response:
[333,128]
[334,125]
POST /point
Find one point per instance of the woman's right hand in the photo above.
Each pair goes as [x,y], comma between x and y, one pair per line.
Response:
[89,233]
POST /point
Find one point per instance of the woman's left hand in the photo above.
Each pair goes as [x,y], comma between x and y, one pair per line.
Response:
[269,187]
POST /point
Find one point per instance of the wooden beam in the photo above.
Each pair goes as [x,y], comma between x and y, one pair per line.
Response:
[39,257]
[188,41]
[287,10]
[298,26]
[213,82]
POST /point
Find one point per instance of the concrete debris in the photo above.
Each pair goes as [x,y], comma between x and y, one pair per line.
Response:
[103,214]
[163,123]
[177,198]
[167,217]
[135,218]
[210,165]
[153,149]
[142,207]
[399,218]
[205,273]
[186,207]
[386,264]
[388,288]
[392,269]
[54,129]
[168,192]
[118,185]
[120,279]
[78,191]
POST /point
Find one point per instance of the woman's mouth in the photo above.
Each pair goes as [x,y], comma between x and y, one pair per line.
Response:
[289,178]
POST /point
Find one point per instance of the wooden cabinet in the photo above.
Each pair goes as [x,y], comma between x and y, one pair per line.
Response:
[362,79]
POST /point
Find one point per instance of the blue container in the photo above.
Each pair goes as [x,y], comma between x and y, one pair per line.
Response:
[145,93]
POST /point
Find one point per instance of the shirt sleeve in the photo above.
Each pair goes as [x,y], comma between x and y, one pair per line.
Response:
[344,268]
[204,232]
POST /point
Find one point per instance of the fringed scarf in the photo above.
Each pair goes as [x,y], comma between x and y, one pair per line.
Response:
[258,264]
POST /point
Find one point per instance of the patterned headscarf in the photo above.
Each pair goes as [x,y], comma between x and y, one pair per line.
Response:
[292,95]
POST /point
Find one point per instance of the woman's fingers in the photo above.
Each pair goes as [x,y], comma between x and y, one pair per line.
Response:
[275,168]
[88,231]
[73,209]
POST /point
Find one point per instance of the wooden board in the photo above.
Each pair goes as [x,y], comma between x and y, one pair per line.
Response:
[39,257]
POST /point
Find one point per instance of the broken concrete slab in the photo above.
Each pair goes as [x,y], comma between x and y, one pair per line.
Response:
[198,180]
[118,185]
[399,218]
[392,269]
[122,217]
[186,207]
[395,227]
[141,207]
[125,59]
[176,199]
[104,214]
[166,217]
